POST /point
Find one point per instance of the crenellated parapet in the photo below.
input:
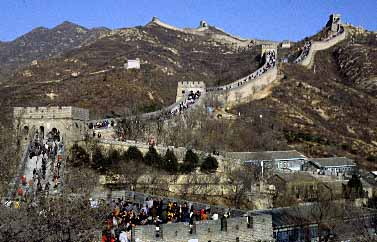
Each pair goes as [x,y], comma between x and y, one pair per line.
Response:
[70,121]
[254,227]
[268,48]
[51,113]
[185,87]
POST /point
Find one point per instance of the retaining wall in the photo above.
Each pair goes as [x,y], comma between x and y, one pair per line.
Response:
[243,93]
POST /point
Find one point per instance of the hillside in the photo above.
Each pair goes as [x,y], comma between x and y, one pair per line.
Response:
[43,43]
[330,111]
[103,85]
[324,111]
[357,62]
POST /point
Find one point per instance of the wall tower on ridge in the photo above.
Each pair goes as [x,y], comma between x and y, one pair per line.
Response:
[184,88]
[70,121]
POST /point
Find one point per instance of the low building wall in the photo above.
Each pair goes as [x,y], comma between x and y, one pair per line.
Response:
[236,230]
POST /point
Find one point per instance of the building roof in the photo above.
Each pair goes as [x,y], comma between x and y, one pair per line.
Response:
[368,178]
[333,161]
[311,212]
[265,155]
[296,176]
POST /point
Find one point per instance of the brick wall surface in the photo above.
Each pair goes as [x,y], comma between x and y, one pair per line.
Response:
[209,231]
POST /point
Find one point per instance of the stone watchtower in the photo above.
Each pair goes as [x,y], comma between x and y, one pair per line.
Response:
[334,22]
[203,24]
[70,121]
[268,47]
[184,88]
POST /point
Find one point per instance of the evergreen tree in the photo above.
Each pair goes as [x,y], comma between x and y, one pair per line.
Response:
[152,158]
[133,153]
[209,164]
[113,157]
[354,188]
[170,162]
[190,162]
[98,159]
[78,156]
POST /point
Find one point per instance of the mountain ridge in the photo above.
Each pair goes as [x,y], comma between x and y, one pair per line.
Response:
[320,111]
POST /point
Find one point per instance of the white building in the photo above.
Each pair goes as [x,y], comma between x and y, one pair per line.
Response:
[332,166]
[286,44]
[132,64]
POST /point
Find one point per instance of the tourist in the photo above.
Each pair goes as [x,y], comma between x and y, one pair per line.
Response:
[123,237]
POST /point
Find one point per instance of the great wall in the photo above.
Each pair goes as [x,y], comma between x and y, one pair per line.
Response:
[226,38]
[73,123]
[307,58]
[242,90]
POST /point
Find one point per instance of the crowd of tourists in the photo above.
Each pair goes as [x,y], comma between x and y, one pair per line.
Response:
[333,35]
[304,53]
[308,45]
[102,124]
[126,215]
[270,61]
[191,99]
[47,154]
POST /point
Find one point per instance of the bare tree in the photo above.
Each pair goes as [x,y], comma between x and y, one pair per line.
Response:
[241,180]
[10,154]
[52,219]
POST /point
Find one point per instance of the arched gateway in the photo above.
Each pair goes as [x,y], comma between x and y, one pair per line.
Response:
[71,122]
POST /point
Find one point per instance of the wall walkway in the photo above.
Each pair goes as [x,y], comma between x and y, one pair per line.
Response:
[308,60]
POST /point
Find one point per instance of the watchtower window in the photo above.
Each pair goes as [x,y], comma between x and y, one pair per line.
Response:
[183,92]
[26,130]
[42,130]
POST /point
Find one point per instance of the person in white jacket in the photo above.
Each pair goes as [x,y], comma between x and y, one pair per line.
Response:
[123,236]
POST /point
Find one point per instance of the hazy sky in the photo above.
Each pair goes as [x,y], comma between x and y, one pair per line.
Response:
[262,19]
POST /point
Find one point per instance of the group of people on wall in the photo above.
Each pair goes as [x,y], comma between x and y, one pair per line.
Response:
[103,124]
[307,46]
[44,158]
[125,215]
[270,62]
[191,99]
[305,52]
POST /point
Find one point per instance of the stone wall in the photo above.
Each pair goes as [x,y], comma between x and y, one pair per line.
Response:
[268,47]
[321,45]
[244,93]
[51,113]
[225,164]
[226,38]
[237,230]
[70,121]
[144,147]
[184,88]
